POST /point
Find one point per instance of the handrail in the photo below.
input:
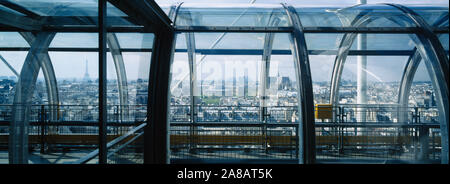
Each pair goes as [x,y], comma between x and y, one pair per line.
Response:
[112,143]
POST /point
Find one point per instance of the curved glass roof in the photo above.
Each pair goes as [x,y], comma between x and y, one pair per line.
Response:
[234,15]
[274,15]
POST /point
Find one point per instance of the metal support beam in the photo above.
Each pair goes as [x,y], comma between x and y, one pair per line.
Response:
[406,82]
[119,65]
[20,22]
[232,51]
[194,92]
[156,139]
[102,69]
[145,12]
[265,67]
[49,77]
[18,142]
[344,47]
[9,66]
[19,9]
[241,29]
[148,14]
[409,73]
[307,153]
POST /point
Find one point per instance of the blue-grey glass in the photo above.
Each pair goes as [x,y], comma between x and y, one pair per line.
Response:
[75,40]
[321,67]
[320,17]
[61,8]
[382,83]
[322,41]
[229,40]
[230,15]
[282,41]
[433,15]
[84,11]
[444,40]
[12,39]
[389,42]
[135,40]
[380,15]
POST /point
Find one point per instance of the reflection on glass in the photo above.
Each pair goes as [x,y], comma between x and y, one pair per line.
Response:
[232,82]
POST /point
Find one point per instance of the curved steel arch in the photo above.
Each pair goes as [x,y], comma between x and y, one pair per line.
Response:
[49,77]
[363,19]
[18,141]
[211,46]
[265,66]
[303,74]
[173,13]
[345,46]
[436,61]
[409,72]
[119,65]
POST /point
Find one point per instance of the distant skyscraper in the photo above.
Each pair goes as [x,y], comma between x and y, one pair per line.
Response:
[234,82]
[86,73]
[246,82]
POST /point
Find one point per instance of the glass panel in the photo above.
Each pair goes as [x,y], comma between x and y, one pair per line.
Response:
[423,103]
[321,71]
[127,95]
[8,82]
[434,15]
[61,8]
[12,39]
[443,38]
[77,85]
[65,99]
[383,73]
[322,41]
[378,107]
[15,59]
[191,14]
[129,40]
[320,17]
[381,15]
[229,40]
[75,40]
[388,42]
[180,87]
[228,88]
[71,12]
[334,16]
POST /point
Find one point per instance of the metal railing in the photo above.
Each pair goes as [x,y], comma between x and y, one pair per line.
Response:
[119,148]
[388,132]
[233,141]
[241,113]
[349,141]
[74,113]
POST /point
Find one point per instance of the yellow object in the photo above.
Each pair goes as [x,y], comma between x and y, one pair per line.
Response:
[324,111]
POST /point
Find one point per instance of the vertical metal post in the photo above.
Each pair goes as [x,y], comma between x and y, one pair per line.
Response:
[102,154]
[42,120]
[306,106]
[424,134]
[156,136]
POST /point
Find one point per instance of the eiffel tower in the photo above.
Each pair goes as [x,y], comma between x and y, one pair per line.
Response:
[86,73]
